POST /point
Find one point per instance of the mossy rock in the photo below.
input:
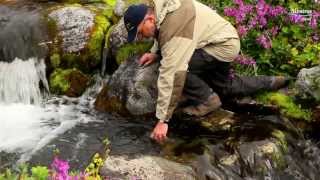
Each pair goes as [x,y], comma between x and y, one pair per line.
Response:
[70,82]
[108,103]
[109,2]
[286,104]
[122,5]
[77,42]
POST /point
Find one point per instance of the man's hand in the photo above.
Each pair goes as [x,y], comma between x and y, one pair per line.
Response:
[160,132]
[147,59]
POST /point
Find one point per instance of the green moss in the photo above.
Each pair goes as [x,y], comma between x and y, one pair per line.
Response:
[107,37]
[70,60]
[278,157]
[52,26]
[286,105]
[108,13]
[129,50]
[90,56]
[58,81]
[55,60]
[111,3]
[281,139]
[130,2]
[97,37]
[279,160]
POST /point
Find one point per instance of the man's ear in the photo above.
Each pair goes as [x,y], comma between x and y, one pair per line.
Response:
[152,17]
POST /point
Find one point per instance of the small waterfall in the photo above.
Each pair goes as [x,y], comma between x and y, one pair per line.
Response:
[20,81]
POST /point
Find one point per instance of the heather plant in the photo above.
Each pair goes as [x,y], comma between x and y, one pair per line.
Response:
[277,39]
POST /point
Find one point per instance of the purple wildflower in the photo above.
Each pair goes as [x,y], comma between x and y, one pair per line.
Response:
[252,23]
[245,9]
[314,18]
[230,12]
[313,23]
[262,8]
[231,74]
[315,38]
[242,30]
[276,11]
[262,22]
[245,60]
[239,2]
[240,12]
[61,168]
[264,41]
[296,18]
[274,31]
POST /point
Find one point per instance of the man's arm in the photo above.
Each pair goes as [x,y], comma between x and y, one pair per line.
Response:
[176,54]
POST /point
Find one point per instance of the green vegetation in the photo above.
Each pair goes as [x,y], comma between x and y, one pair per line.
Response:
[286,105]
[132,49]
[97,37]
[58,82]
[55,60]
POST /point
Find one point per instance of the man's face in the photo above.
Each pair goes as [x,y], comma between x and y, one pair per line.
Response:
[147,28]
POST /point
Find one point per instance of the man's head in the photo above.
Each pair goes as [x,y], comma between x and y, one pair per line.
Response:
[140,22]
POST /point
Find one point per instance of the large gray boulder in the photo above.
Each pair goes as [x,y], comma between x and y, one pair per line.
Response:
[132,89]
[22,35]
[308,82]
[77,36]
[73,25]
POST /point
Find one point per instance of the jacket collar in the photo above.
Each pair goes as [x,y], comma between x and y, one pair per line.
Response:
[163,7]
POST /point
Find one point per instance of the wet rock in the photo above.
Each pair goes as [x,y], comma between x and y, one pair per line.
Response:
[22,32]
[308,82]
[122,5]
[146,167]
[205,169]
[70,82]
[6,160]
[77,35]
[131,89]
[118,37]
[76,145]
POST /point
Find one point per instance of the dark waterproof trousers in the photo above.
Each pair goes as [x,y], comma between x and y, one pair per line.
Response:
[207,75]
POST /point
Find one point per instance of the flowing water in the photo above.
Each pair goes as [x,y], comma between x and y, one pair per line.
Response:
[34,124]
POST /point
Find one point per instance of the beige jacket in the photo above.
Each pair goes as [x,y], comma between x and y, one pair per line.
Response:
[186,25]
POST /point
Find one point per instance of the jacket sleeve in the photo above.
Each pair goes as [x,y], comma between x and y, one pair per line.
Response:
[176,54]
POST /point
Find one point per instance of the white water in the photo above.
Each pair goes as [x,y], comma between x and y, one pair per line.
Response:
[19,81]
[24,127]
